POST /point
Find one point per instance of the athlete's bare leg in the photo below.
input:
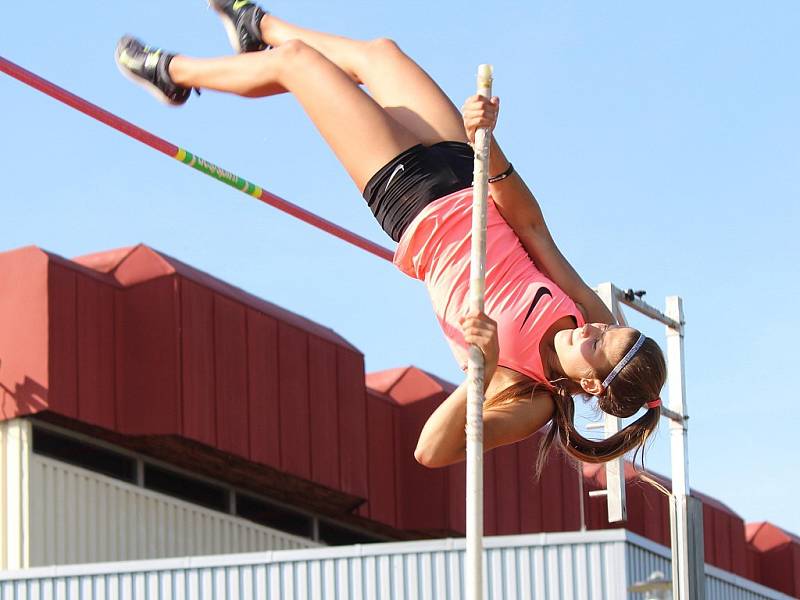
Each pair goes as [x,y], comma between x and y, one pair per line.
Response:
[359,131]
[395,81]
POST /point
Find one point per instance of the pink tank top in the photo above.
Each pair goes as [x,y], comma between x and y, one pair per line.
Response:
[435,249]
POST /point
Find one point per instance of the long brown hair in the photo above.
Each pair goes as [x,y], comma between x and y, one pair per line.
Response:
[639,382]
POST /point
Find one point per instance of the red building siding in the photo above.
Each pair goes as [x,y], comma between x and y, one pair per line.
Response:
[324,418]
[24,323]
[352,404]
[95,353]
[197,358]
[62,314]
[262,361]
[140,344]
[381,445]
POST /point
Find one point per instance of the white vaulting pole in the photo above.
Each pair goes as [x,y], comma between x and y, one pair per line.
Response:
[475,371]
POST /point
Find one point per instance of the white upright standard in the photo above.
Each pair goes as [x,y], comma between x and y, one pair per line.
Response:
[686,512]
[475,389]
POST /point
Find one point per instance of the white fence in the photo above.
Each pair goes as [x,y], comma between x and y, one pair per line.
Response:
[78,516]
[564,566]
[54,513]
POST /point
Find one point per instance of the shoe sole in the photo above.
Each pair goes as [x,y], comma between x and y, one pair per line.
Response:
[146,85]
[230,29]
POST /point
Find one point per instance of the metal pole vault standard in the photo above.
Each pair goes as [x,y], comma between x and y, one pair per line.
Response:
[475,371]
[686,511]
[187,158]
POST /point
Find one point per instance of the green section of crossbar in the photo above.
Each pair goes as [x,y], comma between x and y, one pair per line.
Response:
[218,173]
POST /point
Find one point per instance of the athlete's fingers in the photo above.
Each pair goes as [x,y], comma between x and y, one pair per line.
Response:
[477,121]
[471,111]
[472,101]
[473,326]
[482,117]
[478,105]
[482,316]
[470,322]
[479,329]
[477,112]
[481,104]
[478,100]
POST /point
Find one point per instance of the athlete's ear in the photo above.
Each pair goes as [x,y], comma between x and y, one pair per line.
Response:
[592,386]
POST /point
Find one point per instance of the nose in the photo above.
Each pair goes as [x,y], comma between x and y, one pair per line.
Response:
[589,330]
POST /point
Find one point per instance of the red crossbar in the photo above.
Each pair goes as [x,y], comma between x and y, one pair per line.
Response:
[157,143]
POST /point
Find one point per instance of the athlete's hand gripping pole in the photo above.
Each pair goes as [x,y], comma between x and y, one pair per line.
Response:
[475,372]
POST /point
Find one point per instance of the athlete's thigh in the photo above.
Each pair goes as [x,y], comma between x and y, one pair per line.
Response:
[362,134]
[411,96]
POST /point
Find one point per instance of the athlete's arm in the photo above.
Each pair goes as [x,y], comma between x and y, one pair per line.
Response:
[519,208]
[443,440]
[522,212]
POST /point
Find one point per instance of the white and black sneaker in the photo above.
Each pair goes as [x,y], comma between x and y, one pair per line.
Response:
[149,68]
[242,20]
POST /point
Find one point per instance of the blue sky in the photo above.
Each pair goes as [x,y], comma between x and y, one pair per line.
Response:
[661,141]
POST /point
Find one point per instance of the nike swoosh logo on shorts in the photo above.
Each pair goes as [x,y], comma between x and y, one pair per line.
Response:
[540,293]
[397,170]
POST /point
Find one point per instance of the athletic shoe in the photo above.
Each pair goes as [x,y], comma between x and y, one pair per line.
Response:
[149,68]
[241,19]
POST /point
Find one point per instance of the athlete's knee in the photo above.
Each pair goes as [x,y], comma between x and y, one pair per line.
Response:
[385,46]
[294,51]
[291,58]
[290,49]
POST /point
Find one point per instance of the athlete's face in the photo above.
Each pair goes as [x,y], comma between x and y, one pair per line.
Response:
[587,352]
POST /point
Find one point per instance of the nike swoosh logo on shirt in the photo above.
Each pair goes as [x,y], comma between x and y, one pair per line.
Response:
[542,291]
[397,170]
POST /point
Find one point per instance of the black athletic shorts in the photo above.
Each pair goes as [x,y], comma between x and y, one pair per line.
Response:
[415,178]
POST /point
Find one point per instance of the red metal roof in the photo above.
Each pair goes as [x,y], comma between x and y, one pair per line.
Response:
[136,264]
[776,557]
[138,343]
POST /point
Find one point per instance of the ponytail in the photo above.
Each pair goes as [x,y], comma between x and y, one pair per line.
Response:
[592,451]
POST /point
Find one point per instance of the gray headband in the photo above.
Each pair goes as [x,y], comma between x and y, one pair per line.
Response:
[625,360]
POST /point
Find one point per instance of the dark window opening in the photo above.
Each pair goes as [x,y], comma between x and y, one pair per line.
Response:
[82,454]
[334,535]
[271,515]
[185,488]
